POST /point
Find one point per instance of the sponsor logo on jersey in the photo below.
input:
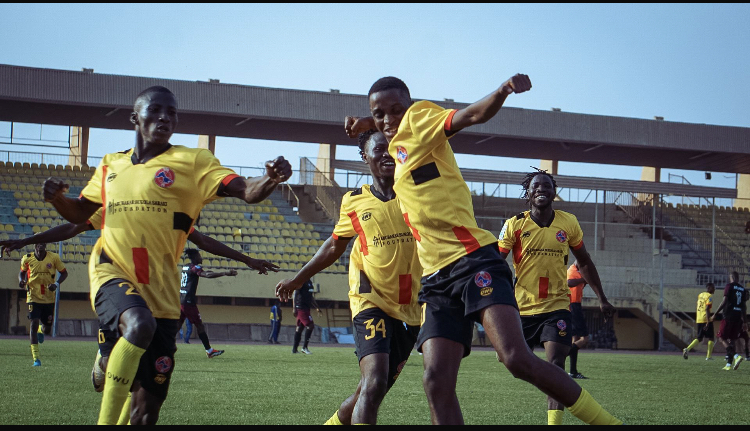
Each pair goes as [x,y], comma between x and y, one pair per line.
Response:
[485,291]
[160,379]
[526,234]
[163,364]
[111,177]
[483,279]
[366,216]
[164,177]
[401,154]
[561,236]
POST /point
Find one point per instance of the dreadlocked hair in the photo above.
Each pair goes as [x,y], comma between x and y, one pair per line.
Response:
[362,140]
[530,177]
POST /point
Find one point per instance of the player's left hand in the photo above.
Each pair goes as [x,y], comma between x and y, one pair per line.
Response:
[279,169]
[518,83]
[12,244]
[52,287]
[607,309]
[262,266]
[285,288]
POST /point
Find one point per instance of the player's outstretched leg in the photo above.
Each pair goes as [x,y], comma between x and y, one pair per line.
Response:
[442,358]
[502,324]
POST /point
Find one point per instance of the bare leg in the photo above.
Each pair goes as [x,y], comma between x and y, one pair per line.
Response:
[442,358]
[556,354]
[373,387]
[145,407]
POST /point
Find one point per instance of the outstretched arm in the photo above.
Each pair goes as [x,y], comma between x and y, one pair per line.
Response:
[57,233]
[591,276]
[213,246]
[483,110]
[719,309]
[253,190]
[327,254]
[74,210]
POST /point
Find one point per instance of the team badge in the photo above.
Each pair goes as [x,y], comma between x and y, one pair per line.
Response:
[164,177]
[561,236]
[483,279]
[401,154]
[163,364]
[49,266]
[561,325]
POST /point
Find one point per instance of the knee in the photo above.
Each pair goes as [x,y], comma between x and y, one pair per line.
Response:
[519,365]
[140,329]
[374,387]
[435,383]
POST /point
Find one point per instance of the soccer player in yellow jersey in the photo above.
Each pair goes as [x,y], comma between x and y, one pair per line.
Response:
[540,240]
[150,196]
[384,276]
[465,280]
[704,322]
[37,276]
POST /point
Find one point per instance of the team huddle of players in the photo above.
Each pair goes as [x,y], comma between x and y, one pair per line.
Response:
[421,273]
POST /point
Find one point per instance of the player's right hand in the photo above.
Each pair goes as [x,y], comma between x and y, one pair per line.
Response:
[518,83]
[286,288]
[353,126]
[11,244]
[54,188]
[262,266]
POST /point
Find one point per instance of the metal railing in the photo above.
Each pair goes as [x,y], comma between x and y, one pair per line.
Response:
[327,193]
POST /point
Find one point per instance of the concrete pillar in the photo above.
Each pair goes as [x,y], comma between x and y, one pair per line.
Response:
[743,192]
[326,153]
[549,165]
[79,146]
[208,142]
[649,174]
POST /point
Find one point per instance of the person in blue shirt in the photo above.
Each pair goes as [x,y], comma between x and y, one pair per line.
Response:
[273,337]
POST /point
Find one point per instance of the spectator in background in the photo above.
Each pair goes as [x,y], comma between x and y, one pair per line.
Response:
[480,333]
[188,331]
[273,337]
[302,301]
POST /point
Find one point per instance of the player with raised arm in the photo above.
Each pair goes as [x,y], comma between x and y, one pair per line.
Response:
[150,196]
[37,276]
[540,240]
[734,307]
[384,276]
[465,280]
[705,322]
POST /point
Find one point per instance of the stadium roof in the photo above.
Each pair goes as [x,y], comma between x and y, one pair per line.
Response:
[51,96]
[574,182]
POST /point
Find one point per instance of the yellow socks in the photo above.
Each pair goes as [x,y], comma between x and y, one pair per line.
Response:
[693,344]
[35,351]
[710,348]
[555,417]
[334,420]
[589,411]
[121,370]
[125,413]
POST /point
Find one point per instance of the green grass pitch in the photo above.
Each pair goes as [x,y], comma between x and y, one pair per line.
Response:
[266,384]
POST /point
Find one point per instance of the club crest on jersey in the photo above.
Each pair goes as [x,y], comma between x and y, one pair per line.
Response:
[163,364]
[483,279]
[561,236]
[49,266]
[561,325]
[401,154]
[164,177]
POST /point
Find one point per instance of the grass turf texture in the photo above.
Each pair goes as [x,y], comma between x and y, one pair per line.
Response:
[262,384]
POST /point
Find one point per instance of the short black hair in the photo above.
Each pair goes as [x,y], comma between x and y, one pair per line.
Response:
[192,252]
[735,276]
[362,140]
[530,177]
[387,83]
[151,90]
[710,285]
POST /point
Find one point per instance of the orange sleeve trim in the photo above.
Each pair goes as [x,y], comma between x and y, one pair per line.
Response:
[192,229]
[449,120]
[576,247]
[228,179]
[334,236]
[504,250]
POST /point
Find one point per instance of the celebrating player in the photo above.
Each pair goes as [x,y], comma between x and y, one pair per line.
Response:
[37,276]
[465,278]
[541,240]
[384,276]
[150,196]
[705,322]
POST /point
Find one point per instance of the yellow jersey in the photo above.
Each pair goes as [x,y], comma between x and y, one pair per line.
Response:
[705,299]
[384,270]
[540,258]
[435,200]
[148,210]
[39,275]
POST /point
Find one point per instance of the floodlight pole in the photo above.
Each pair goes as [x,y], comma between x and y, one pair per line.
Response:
[661,287]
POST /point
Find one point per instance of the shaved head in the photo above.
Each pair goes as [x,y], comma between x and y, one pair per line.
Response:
[146,94]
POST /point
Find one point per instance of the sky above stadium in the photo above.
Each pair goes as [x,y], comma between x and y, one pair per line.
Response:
[686,63]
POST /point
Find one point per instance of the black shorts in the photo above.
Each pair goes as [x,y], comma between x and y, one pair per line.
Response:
[552,326]
[112,299]
[578,327]
[44,312]
[706,330]
[377,332]
[453,296]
